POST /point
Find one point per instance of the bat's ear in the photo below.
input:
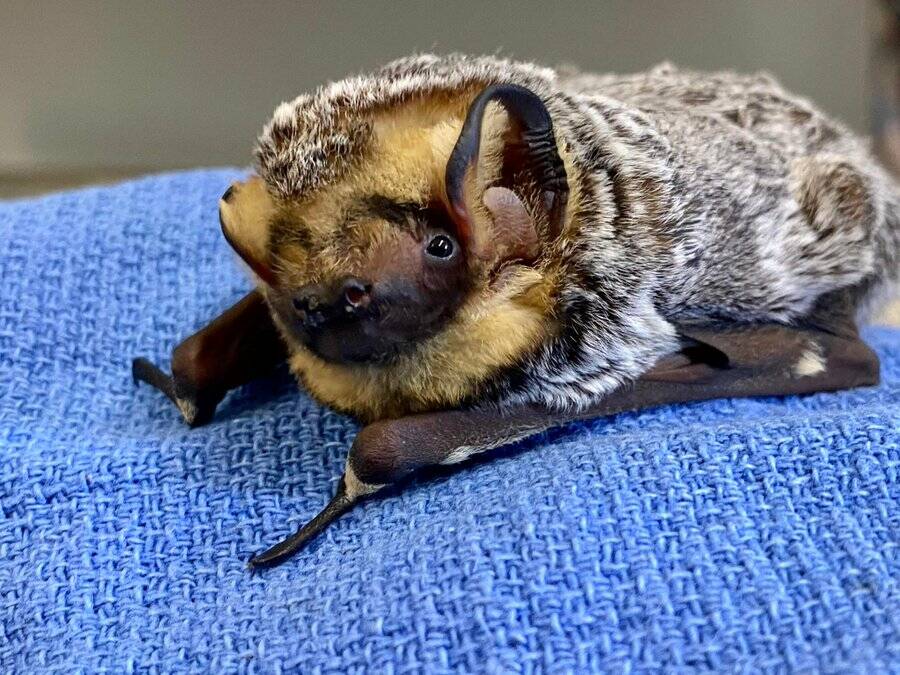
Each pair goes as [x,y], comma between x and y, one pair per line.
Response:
[529,155]
[245,211]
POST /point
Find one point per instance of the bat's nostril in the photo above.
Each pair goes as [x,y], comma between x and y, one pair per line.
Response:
[228,193]
[306,303]
[356,293]
[311,311]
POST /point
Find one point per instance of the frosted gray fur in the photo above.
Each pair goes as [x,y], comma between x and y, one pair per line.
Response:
[702,196]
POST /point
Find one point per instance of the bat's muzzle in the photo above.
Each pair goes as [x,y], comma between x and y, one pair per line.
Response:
[319,306]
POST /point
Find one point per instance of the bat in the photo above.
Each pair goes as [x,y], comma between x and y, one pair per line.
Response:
[462,252]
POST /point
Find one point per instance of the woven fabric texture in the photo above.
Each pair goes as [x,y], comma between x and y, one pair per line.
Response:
[754,535]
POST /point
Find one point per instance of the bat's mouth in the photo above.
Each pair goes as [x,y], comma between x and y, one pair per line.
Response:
[372,340]
[353,344]
[377,333]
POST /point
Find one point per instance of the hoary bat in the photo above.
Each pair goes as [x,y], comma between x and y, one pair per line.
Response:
[461,252]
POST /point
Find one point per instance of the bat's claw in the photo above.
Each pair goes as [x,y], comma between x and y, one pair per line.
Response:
[194,411]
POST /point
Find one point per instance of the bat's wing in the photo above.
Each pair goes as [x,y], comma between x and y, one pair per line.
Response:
[824,353]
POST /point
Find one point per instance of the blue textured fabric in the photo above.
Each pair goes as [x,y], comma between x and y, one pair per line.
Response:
[733,535]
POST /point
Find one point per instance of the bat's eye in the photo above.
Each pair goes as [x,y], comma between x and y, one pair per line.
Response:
[440,246]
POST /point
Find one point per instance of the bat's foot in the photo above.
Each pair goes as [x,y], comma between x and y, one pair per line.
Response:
[196,409]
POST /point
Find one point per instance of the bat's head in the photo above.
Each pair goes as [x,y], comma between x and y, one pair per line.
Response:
[357,280]
[400,247]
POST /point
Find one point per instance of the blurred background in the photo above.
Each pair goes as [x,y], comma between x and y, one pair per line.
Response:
[92,90]
[95,91]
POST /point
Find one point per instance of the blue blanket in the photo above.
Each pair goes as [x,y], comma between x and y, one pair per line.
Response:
[732,535]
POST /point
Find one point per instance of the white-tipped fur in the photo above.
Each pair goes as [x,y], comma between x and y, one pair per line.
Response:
[811,362]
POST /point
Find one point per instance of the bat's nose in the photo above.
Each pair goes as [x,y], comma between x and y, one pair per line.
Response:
[319,305]
[229,193]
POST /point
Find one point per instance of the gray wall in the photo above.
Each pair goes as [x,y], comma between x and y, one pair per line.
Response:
[156,85]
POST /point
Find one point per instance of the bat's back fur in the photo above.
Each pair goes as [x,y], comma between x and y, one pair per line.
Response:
[774,203]
[693,197]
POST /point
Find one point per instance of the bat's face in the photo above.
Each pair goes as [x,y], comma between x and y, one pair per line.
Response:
[363,281]
[390,266]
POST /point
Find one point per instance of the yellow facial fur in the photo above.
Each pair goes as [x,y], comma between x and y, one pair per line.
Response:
[505,315]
